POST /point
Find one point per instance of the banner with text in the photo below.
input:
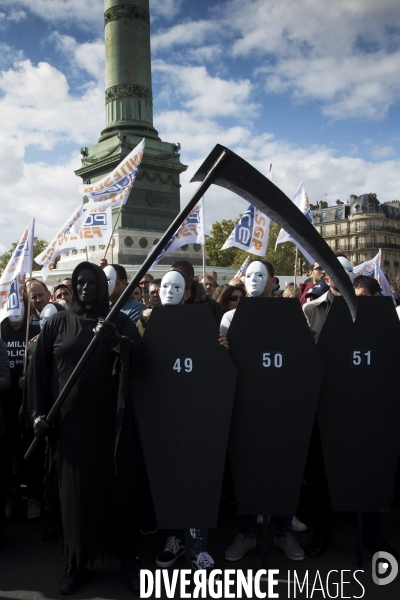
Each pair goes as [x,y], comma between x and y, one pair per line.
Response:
[95,230]
[190,232]
[116,186]
[12,281]
[251,233]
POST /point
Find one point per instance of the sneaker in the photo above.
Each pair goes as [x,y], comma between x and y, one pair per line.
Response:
[241,546]
[174,548]
[8,509]
[287,543]
[33,509]
[297,525]
[204,562]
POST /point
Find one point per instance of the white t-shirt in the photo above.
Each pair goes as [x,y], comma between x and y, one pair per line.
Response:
[226,321]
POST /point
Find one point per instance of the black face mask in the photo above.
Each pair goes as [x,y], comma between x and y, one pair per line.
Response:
[86,286]
[90,288]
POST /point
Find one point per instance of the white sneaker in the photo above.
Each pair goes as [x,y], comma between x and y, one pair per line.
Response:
[33,509]
[241,546]
[8,509]
[204,562]
[287,543]
[297,525]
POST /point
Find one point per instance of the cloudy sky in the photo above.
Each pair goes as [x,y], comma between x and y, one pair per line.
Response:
[312,87]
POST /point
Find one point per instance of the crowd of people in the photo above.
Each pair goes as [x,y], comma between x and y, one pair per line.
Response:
[96,492]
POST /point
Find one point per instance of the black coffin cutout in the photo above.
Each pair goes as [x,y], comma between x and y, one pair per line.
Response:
[274,406]
[359,409]
[184,417]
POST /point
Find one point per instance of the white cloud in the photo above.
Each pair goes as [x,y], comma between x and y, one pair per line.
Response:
[165,9]
[76,13]
[378,152]
[193,33]
[205,95]
[38,109]
[345,54]
[88,56]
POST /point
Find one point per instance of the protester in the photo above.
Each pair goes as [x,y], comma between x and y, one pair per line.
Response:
[229,299]
[117,279]
[237,281]
[5,382]
[217,294]
[144,284]
[317,273]
[276,291]
[259,282]
[291,291]
[154,293]
[137,293]
[210,285]
[197,292]
[175,289]
[39,296]
[62,292]
[94,448]
[14,334]
[366,286]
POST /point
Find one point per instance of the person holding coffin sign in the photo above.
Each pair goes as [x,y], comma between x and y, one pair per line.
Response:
[93,429]
[178,420]
[259,283]
[321,509]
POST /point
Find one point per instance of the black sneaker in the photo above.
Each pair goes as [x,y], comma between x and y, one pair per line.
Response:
[72,579]
[174,548]
[205,563]
[131,573]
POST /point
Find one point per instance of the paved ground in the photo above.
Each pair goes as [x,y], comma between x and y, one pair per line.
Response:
[30,568]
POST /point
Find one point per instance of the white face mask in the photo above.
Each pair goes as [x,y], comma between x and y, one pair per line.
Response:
[46,313]
[18,318]
[111,275]
[256,278]
[347,266]
[172,288]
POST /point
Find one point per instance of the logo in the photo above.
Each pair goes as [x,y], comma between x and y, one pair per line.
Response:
[384,568]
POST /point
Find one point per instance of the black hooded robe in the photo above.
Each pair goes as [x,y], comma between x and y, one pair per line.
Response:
[94,435]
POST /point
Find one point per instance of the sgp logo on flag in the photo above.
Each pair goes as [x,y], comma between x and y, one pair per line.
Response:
[384,568]
[251,233]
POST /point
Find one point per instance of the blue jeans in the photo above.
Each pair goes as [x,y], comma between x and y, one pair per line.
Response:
[246,525]
[198,539]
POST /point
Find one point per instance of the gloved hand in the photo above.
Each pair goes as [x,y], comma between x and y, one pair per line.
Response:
[41,428]
[107,333]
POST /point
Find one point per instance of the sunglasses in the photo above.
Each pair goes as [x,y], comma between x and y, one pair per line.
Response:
[234,298]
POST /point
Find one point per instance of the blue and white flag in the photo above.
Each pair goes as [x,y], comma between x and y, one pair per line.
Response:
[116,186]
[190,232]
[372,268]
[251,233]
[301,201]
[12,281]
[242,269]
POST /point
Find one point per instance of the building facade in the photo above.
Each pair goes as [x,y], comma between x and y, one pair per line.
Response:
[360,227]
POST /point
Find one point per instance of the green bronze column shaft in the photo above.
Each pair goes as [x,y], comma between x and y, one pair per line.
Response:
[128,95]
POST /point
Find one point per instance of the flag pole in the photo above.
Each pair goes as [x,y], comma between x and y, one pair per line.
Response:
[87,255]
[295,268]
[111,236]
[28,318]
[204,247]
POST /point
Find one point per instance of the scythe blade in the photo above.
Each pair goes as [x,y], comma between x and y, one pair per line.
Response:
[243,179]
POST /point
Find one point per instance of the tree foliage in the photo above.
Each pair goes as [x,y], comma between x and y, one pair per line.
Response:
[283,258]
[38,246]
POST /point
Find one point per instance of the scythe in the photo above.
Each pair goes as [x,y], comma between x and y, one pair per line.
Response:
[240,177]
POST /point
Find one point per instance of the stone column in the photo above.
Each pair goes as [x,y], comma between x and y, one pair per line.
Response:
[128,94]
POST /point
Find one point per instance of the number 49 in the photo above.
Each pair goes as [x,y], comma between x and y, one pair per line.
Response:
[183,363]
